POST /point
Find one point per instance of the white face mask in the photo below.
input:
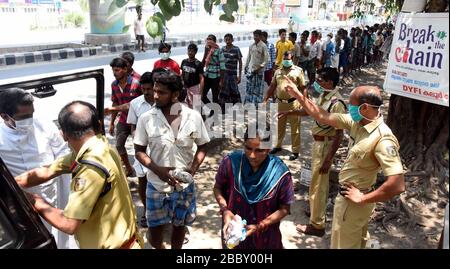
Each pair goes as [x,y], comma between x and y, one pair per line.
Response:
[24,125]
[165,55]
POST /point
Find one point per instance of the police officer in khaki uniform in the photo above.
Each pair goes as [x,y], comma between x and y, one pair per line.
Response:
[326,142]
[286,102]
[373,146]
[100,212]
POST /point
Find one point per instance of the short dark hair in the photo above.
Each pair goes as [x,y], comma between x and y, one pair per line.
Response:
[193,46]
[329,74]
[371,98]
[146,78]
[305,33]
[118,62]
[128,56]
[228,35]
[287,53]
[169,78]
[212,37]
[281,31]
[76,125]
[11,98]
[264,134]
[258,32]
[265,34]
[164,45]
[315,33]
[293,35]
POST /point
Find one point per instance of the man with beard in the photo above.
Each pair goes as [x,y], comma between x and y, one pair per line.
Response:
[169,130]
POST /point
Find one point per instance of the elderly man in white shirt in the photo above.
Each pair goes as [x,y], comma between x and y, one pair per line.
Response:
[169,130]
[139,106]
[27,143]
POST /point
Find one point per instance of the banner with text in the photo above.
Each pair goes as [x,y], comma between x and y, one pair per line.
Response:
[418,61]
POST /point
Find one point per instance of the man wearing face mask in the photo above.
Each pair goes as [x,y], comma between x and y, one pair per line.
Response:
[373,146]
[289,72]
[100,212]
[27,143]
[326,142]
[166,62]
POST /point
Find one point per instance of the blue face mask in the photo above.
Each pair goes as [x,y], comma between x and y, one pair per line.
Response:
[317,87]
[287,63]
[354,113]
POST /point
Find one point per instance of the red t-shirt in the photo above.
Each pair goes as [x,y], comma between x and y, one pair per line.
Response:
[171,64]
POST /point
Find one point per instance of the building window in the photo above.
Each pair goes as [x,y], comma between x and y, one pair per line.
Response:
[310,3]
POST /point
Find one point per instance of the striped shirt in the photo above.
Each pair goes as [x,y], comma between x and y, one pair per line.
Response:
[124,96]
[272,56]
[216,64]
[232,57]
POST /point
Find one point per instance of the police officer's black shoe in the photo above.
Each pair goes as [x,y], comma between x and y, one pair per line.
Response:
[275,151]
[293,156]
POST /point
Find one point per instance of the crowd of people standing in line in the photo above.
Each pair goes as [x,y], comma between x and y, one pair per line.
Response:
[170,140]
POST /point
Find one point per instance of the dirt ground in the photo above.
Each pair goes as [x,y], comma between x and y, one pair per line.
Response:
[390,228]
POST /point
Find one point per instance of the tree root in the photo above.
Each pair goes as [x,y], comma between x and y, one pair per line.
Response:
[409,211]
[394,214]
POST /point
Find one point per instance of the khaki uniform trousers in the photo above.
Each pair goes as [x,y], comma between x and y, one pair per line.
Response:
[294,122]
[319,187]
[350,223]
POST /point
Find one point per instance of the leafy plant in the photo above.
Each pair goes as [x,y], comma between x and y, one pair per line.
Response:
[366,7]
[75,19]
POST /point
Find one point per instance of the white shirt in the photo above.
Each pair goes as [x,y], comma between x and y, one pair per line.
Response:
[138,106]
[315,50]
[165,149]
[258,57]
[320,49]
[37,148]
[25,151]
[139,27]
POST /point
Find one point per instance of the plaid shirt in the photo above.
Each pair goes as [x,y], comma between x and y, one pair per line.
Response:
[136,75]
[131,91]
[272,56]
[216,64]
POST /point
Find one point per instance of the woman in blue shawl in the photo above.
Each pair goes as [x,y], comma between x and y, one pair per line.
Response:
[258,187]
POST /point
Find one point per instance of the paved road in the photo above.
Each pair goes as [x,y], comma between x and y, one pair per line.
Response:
[85,90]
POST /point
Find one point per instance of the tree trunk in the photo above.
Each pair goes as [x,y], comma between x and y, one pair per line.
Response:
[422,128]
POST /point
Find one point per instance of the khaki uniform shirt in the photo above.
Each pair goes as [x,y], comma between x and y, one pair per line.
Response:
[324,101]
[372,147]
[109,221]
[295,74]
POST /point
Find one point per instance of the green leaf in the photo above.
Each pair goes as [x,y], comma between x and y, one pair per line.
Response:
[154,26]
[233,5]
[126,28]
[208,5]
[165,9]
[176,7]
[161,16]
[226,18]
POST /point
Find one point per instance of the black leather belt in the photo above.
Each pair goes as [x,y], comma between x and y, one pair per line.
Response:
[286,101]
